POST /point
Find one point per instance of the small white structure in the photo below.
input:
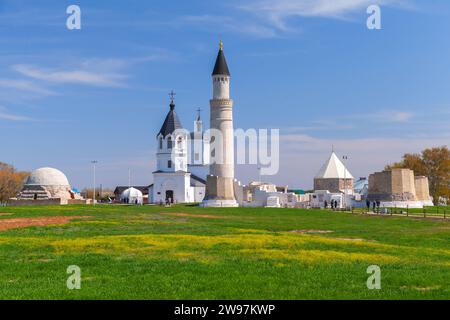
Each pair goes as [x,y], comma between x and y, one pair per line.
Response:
[262,194]
[324,198]
[334,176]
[132,196]
[273,202]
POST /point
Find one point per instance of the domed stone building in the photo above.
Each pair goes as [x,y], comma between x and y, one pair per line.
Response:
[47,186]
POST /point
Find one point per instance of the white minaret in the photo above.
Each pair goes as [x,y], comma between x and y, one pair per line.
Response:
[220,181]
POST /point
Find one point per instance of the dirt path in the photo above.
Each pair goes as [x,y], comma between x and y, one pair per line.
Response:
[6,224]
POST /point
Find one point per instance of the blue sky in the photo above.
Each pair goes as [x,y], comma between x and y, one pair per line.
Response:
[310,68]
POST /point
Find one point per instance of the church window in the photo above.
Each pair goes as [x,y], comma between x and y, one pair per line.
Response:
[169,143]
[160,142]
[169,164]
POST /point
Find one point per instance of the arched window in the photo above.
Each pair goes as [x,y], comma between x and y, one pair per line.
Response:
[179,143]
[160,142]
[169,143]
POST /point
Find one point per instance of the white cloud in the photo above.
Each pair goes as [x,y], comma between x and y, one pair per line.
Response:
[24,85]
[278,11]
[398,116]
[71,76]
[5,115]
[217,23]
[384,116]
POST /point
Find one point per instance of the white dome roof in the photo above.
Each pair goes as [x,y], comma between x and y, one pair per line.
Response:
[47,177]
[131,193]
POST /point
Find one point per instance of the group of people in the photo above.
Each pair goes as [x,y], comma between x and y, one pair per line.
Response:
[132,201]
[375,205]
[334,204]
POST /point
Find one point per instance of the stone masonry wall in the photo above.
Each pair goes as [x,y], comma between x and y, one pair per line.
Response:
[422,188]
[333,185]
[394,185]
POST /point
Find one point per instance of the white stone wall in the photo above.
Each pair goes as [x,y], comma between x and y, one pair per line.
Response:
[178,182]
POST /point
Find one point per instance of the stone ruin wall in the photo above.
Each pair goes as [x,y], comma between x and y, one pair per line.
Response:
[403,182]
[394,185]
[422,188]
[380,186]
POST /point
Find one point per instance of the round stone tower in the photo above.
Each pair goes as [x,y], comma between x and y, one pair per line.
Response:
[220,181]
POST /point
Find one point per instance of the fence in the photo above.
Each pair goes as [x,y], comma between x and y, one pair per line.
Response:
[426,212]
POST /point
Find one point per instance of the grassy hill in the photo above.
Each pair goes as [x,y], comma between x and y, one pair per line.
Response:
[183,252]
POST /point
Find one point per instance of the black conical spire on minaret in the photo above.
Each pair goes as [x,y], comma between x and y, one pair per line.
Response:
[221,67]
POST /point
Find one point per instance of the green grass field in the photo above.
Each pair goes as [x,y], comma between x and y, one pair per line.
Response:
[182,252]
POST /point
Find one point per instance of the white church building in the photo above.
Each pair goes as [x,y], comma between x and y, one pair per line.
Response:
[175,179]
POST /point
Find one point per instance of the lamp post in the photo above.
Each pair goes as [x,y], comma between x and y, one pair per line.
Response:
[344,158]
[94,162]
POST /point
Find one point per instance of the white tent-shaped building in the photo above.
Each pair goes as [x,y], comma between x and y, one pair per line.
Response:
[132,196]
[334,176]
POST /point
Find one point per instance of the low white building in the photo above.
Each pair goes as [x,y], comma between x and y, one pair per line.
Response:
[324,199]
[261,194]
